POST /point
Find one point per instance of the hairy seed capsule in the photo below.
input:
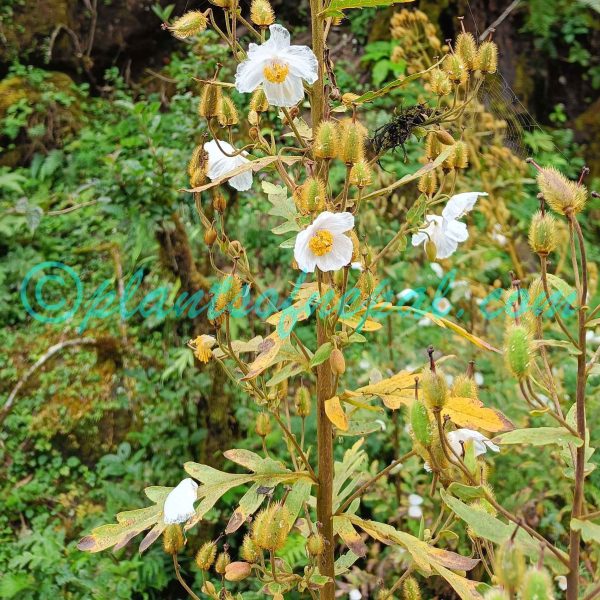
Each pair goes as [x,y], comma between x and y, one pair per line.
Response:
[428,183]
[228,115]
[219,202]
[518,350]
[210,101]
[537,585]
[509,565]
[455,69]
[221,563]
[250,551]
[261,13]
[440,83]
[210,236]
[486,60]
[420,424]
[384,594]
[435,389]
[302,402]
[198,160]
[361,175]
[271,527]
[460,155]
[466,48]
[561,194]
[444,137]
[258,101]
[228,294]
[367,283]
[410,589]
[433,146]
[337,362]
[355,246]
[464,387]
[205,557]
[313,196]
[237,571]
[542,233]
[326,141]
[222,3]
[263,424]
[173,540]
[351,136]
[190,24]
[315,544]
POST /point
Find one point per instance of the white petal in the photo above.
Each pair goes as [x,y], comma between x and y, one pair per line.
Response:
[220,165]
[303,63]
[279,38]
[456,230]
[425,234]
[339,256]
[492,446]
[415,499]
[334,222]
[460,205]
[419,238]
[249,75]
[179,504]
[415,512]
[303,255]
[445,246]
[285,94]
[243,182]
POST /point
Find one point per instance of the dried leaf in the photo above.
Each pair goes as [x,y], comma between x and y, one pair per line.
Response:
[470,412]
[335,413]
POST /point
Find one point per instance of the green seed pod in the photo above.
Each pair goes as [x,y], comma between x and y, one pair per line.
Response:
[302,402]
[410,589]
[250,552]
[361,175]
[384,594]
[466,48]
[210,101]
[205,557]
[537,585]
[228,115]
[222,561]
[326,140]
[428,183]
[315,544]
[440,83]
[351,141]
[542,233]
[271,527]
[263,424]
[455,69]
[435,389]
[190,24]
[509,565]
[486,60]
[313,196]
[517,349]
[337,362]
[258,101]
[561,194]
[420,423]
[173,540]
[464,387]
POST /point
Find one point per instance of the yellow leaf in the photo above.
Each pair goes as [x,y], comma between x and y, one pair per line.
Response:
[470,412]
[335,413]
[268,349]
[395,391]
[365,325]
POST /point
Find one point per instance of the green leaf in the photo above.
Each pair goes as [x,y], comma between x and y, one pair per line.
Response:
[590,532]
[322,354]
[539,436]
[466,492]
[337,6]
[563,287]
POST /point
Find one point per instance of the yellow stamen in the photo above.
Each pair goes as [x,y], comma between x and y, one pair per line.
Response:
[321,243]
[276,72]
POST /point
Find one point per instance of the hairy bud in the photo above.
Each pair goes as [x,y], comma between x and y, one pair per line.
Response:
[420,423]
[509,565]
[221,563]
[496,595]
[326,140]
[410,589]
[219,202]
[464,387]
[428,183]
[435,389]
[433,146]
[263,424]
[361,175]
[542,233]
[351,136]
[537,585]
[486,60]
[517,349]
[302,402]
[466,48]
[190,24]
[205,557]
[222,3]
[210,236]
[228,115]
[311,196]
[315,544]
[271,527]
[210,101]
[173,540]
[459,158]
[455,69]
[440,83]
[250,552]
[262,13]
[258,101]
[561,194]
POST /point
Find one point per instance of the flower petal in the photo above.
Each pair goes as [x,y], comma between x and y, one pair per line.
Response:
[303,63]
[179,504]
[219,164]
[460,205]
[286,94]
[249,75]
[339,256]
[242,182]
[456,230]
[334,222]
[279,38]
[303,255]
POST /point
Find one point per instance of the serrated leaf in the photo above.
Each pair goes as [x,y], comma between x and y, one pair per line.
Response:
[394,391]
[538,436]
[470,412]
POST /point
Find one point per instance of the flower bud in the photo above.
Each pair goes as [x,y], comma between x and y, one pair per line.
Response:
[271,527]
[325,144]
[361,175]
[509,565]
[466,48]
[435,389]
[445,137]
[455,69]
[210,101]
[542,233]
[315,544]
[430,250]
[464,387]
[337,362]
[367,283]
[263,424]
[237,571]
[198,160]
[173,540]
[537,585]
[210,236]
[433,146]
[440,83]
[250,551]
[198,178]
[420,424]
[228,115]
[311,196]
[190,24]
[561,194]
[459,158]
[517,349]
[222,561]
[228,293]
[486,59]
[258,101]
[205,557]
[351,138]
[261,13]
[410,589]
[302,402]
[428,183]
[384,594]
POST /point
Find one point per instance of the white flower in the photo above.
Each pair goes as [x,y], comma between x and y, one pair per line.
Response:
[323,243]
[219,164]
[447,231]
[179,504]
[279,67]
[478,377]
[354,595]
[414,506]
[480,443]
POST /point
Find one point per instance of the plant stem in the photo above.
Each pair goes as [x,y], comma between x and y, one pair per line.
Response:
[185,586]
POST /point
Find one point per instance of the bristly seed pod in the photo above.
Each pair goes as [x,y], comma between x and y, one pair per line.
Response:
[173,540]
[263,424]
[302,402]
[219,202]
[459,159]
[210,236]
[190,24]
[509,565]
[261,13]
[271,527]
[228,115]
[464,387]
[361,175]
[433,146]
[222,561]
[198,162]
[337,362]
[440,83]
[258,101]
[315,544]
[420,423]
[326,140]
[205,557]
[542,233]
[250,552]
[428,183]
[486,60]
[561,194]
[351,143]
[466,48]
[210,101]
[496,595]
[537,585]
[455,68]
[435,389]
[410,589]
[311,196]
[518,350]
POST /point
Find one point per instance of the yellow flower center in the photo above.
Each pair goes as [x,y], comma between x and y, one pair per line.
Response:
[276,72]
[321,243]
